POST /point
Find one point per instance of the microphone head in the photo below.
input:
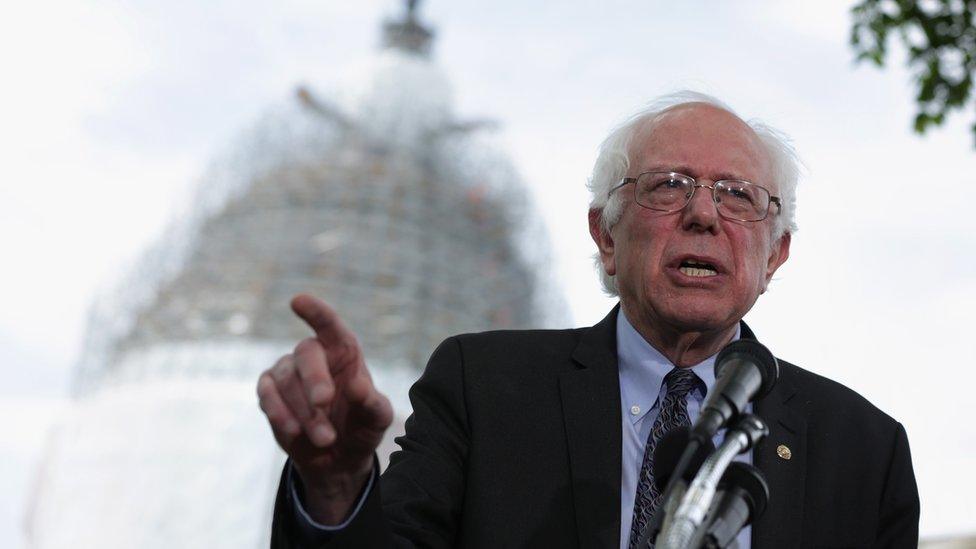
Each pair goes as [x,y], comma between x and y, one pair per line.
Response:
[753,427]
[668,453]
[753,352]
[752,482]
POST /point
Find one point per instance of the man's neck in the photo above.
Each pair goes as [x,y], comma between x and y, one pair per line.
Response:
[682,347]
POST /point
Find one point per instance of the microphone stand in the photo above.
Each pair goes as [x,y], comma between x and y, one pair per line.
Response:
[677,458]
[680,527]
[741,499]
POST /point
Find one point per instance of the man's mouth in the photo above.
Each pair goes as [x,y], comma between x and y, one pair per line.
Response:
[697,268]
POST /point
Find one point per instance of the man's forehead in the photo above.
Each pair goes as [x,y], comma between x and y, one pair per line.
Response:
[701,140]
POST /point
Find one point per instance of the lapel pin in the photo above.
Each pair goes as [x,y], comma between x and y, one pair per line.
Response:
[784,452]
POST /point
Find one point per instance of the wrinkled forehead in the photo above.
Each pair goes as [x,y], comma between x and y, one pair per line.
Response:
[703,141]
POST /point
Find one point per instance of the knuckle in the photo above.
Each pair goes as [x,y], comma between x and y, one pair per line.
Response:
[274,417]
[269,408]
[347,352]
[284,426]
[273,413]
[321,393]
[351,343]
[306,345]
[283,369]
[265,385]
[315,374]
[314,369]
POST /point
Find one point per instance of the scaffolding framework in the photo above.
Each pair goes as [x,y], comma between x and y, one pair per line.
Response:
[388,207]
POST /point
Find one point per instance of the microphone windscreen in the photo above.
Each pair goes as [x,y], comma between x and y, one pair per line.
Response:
[753,352]
[750,480]
[668,452]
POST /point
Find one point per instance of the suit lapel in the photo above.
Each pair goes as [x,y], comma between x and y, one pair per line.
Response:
[782,457]
[591,411]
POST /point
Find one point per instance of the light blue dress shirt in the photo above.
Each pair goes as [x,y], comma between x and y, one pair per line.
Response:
[641,369]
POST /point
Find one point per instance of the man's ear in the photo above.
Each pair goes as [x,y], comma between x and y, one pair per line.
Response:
[604,242]
[778,255]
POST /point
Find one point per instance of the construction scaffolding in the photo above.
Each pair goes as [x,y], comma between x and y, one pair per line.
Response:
[393,211]
[385,205]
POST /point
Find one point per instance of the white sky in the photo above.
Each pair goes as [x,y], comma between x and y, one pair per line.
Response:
[111,110]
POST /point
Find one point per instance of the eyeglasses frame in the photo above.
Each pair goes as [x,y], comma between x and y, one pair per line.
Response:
[695,185]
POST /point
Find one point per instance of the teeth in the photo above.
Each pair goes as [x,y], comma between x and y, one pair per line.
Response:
[695,271]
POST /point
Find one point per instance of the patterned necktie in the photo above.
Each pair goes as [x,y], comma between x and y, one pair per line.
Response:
[672,414]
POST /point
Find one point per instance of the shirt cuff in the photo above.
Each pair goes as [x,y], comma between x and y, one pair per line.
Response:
[312,530]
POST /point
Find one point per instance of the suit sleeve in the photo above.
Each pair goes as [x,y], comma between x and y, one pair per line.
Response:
[419,498]
[898,524]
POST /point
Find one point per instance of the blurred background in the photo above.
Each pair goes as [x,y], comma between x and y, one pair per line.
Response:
[175,171]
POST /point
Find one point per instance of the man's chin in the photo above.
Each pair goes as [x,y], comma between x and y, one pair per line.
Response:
[697,324]
[696,318]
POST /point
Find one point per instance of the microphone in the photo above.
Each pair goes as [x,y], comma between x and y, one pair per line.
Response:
[743,494]
[744,370]
[684,524]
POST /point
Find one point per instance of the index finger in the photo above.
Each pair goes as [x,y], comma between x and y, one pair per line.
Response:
[328,327]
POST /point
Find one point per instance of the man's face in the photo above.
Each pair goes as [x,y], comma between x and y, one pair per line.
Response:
[649,251]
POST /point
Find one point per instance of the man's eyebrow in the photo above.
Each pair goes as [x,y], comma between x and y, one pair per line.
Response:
[686,170]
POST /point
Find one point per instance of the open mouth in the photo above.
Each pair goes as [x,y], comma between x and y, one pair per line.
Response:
[697,268]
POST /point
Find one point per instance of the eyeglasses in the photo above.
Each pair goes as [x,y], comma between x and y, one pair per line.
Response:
[671,191]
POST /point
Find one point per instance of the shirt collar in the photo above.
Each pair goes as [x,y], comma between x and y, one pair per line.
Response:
[642,368]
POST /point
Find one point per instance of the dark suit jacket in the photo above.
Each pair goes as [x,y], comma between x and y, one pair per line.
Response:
[515,441]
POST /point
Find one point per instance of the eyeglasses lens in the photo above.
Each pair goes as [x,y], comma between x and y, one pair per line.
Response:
[669,192]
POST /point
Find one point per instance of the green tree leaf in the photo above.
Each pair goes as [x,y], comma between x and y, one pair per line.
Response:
[939,37]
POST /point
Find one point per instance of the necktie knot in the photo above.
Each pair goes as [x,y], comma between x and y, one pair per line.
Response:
[680,381]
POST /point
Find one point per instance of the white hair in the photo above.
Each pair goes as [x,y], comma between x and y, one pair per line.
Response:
[614,160]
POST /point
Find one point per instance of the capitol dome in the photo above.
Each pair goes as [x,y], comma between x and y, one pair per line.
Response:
[378,200]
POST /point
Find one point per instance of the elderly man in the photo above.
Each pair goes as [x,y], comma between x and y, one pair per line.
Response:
[545,438]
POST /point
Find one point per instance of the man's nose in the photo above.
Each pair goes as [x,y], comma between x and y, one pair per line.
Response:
[701,213]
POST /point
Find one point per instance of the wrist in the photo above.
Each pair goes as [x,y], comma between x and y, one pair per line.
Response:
[330,499]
